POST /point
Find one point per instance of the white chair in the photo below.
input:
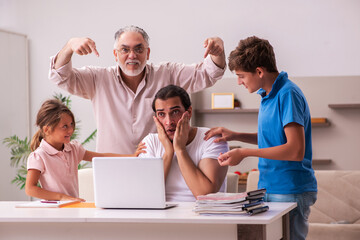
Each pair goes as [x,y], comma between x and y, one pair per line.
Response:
[232,182]
[252,181]
[86,183]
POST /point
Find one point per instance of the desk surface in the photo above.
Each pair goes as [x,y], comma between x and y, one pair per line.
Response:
[181,214]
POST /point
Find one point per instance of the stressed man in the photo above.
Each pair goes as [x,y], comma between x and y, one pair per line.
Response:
[190,163]
[121,95]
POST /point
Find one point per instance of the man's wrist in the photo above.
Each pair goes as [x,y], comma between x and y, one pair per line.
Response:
[180,150]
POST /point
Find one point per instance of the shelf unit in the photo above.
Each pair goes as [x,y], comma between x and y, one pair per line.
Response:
[215,111]
[321,161]
[345,106]
[315,122]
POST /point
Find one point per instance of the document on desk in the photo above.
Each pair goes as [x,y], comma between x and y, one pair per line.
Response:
[46,204]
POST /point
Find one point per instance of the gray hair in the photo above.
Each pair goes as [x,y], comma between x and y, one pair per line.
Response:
[131,28]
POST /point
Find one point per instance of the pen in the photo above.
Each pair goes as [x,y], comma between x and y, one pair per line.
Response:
[48,201]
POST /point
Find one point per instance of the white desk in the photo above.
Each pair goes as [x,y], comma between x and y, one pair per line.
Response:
[175,223]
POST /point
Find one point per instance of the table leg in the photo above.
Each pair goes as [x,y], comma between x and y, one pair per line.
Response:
[251,232]
[286,227]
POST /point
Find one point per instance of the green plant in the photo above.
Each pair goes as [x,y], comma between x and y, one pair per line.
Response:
[20,149]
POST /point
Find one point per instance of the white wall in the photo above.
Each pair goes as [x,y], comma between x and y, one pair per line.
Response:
[14,98]
[311,38]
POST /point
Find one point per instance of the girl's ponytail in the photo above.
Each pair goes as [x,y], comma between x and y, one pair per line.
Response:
[35,141]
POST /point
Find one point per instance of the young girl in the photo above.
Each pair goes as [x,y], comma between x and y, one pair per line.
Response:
[54,160]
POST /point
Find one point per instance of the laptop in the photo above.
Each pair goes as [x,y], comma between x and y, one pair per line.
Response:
[129,182]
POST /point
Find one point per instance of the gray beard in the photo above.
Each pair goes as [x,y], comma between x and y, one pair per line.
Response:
[131,73]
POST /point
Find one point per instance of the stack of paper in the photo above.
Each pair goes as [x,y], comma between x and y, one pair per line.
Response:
[232,203]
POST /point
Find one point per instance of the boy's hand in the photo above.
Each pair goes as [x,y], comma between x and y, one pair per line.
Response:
[225,134]
[231,158]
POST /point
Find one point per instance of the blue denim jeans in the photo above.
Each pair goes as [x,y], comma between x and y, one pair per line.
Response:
[299,225]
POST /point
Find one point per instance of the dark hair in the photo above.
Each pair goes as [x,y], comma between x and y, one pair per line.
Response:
[251,53]
[171,91]
[49,115]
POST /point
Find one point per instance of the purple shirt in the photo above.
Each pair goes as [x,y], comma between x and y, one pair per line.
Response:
[124,118]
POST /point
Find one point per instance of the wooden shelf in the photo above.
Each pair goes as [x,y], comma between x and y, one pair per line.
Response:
[345,106]
[321,161]
[233,147]
[320,122]
[240,110]
[315,122]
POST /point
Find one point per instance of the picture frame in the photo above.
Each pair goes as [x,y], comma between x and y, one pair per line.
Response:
[222,100]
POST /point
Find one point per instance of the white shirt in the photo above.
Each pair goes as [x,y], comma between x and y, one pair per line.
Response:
[175,186]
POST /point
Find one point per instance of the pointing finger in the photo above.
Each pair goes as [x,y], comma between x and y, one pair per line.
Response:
[93,48]
[208,46]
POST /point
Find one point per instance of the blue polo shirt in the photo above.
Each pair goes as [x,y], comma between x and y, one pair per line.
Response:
[283,105]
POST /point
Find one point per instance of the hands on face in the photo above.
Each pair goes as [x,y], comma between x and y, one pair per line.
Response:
[181,133]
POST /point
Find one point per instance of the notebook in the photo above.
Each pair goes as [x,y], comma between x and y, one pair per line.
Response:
[46,204]
[129,182]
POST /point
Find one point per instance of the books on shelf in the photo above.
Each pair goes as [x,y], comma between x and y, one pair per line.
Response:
[46,204]
[232,203]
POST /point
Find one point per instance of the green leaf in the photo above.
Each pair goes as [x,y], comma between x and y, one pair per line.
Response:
[83,165]
[90,138]
[19,149]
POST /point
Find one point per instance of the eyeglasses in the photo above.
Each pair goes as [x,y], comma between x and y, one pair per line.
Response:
[137,50]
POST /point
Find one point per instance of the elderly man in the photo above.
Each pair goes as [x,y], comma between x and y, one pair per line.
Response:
[121,95]
[190,163]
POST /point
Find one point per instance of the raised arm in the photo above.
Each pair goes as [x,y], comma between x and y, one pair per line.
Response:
[81,46]
[205,178]
[89,155]
[292,150]
[215,47]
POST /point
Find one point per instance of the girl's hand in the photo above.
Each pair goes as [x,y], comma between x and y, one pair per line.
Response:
[140,149]
[231,158]
[65,197]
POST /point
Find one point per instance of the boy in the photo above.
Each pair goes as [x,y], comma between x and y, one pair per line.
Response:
[284,132]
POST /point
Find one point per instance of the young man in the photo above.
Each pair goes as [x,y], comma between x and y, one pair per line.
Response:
[121,95]
[190,163]
[284,132]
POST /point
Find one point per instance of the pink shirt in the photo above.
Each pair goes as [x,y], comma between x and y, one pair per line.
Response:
[124,118]
[59,169]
